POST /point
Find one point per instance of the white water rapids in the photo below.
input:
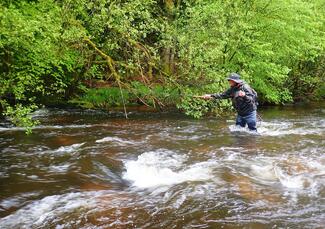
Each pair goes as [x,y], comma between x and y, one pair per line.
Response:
[87,170]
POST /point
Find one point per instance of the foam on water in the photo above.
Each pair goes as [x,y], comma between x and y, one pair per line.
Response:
[291,127]
[281,128]
[250,182]
[243,130]
[264,172]
[43,112]
[69,149]
[298,173]
[40,212]
[294,173]
[116,140]
[294,182]
[164,168]
[16,200]
[45,127]
[62,168]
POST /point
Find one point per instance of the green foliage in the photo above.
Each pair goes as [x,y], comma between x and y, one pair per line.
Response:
[161,52]
[193,107]
[307,80]
[163,95]
[127,31]
[106,98]
[197,107]
[320,92]
[168,95]
[20,115]
[103,98]
[261,40]
[37,57]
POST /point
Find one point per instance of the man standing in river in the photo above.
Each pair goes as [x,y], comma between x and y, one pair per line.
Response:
[243,99]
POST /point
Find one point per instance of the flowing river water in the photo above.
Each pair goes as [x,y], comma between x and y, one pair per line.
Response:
[91,169]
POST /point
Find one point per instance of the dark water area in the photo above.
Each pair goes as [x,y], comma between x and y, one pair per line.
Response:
[91,169]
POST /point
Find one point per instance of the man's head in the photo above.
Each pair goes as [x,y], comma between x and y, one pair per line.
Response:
[234,79]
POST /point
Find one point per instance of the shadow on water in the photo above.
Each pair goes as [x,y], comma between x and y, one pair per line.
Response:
[88,169]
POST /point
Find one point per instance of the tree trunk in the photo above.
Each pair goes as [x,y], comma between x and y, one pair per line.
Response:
[168,51]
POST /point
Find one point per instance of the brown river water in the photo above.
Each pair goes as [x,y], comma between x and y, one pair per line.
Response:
[93,169]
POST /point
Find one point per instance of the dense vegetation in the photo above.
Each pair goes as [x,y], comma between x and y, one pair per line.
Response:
[106,53]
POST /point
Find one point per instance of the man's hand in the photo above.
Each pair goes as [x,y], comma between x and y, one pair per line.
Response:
[206,96]
[241,93]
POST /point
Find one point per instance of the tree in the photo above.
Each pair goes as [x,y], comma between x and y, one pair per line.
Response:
[37,53]
[153,50]
[261,40]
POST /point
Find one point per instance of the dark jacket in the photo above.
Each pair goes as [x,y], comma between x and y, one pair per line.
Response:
[243,105]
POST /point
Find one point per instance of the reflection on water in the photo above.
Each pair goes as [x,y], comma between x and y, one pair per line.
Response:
[89,169]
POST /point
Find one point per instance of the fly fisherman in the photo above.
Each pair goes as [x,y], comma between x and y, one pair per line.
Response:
[244,100]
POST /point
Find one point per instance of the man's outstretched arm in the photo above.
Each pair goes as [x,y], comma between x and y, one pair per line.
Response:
[224,95]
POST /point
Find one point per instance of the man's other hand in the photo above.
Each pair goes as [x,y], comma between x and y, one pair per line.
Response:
[241,93]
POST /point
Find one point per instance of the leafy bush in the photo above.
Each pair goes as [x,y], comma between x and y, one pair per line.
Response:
[104,98]
[159,52]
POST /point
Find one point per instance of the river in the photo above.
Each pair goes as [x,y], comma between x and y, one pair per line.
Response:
[93,169]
